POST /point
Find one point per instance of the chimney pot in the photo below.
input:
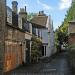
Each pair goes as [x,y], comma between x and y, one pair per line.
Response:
[14,6]
[21,9]
[25,8]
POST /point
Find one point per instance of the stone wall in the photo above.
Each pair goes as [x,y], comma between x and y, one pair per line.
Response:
[14,48]
[2,31]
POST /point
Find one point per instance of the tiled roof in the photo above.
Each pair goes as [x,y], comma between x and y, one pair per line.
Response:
[73,21]
[39,20]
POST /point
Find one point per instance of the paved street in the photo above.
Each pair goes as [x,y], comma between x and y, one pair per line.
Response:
[57,66]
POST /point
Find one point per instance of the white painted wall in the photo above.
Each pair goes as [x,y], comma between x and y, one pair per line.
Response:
[51,36]
[20,21]
[48,37]
[44,35]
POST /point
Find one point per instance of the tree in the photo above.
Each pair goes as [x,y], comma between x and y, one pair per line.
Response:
[61,38]
[62,32]
[31,15]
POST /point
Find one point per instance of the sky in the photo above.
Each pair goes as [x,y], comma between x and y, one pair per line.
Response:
[56,8]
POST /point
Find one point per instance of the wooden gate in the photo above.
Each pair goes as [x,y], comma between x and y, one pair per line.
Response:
[13,56]
[8,60]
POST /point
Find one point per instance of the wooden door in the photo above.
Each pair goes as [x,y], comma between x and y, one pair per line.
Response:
[7,63]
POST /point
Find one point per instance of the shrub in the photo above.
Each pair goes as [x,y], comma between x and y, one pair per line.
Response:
[72,55]
[36,49]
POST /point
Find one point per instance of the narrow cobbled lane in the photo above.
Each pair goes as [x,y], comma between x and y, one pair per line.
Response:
[57,66]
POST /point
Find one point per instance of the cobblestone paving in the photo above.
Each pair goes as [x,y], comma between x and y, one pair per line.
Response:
[58,66]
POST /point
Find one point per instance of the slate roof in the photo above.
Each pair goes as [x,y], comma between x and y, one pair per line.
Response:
[39,21]
[73,21]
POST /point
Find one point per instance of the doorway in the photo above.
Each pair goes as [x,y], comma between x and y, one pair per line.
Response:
[27,51]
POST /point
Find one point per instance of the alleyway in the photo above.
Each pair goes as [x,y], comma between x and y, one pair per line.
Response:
[57,66]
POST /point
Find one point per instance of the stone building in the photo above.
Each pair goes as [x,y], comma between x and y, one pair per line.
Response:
[25,25]
[18,34]
[71,32]
[14,47]
[14,40]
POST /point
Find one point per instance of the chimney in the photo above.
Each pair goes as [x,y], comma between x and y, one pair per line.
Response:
[22,10]
[25,8]
[41,13]
[14,7]
[23,13]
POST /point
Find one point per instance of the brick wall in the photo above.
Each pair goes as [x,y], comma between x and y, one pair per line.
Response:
[72,39]
[71,28]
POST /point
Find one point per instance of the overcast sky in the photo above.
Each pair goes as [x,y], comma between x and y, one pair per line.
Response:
[56,8]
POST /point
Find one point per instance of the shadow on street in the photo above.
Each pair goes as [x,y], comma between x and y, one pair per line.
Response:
[57,65]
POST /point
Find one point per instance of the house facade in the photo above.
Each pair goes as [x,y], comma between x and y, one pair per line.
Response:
[17,38]
[48,38]
[44,28]
[14,40]
[17,33]
[14,47]
[27,27]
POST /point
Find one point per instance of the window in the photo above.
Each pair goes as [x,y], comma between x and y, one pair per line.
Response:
[45,50]
[26,25]
[33,30]
[42,50]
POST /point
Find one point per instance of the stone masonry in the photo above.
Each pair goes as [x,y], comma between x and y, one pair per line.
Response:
[2,31]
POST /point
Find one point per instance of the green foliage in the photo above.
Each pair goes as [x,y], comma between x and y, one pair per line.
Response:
[36,49]
[72,46]
[31,15]
[71,55]
[64,29]
[68,17]
[62,32]
[61,37]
